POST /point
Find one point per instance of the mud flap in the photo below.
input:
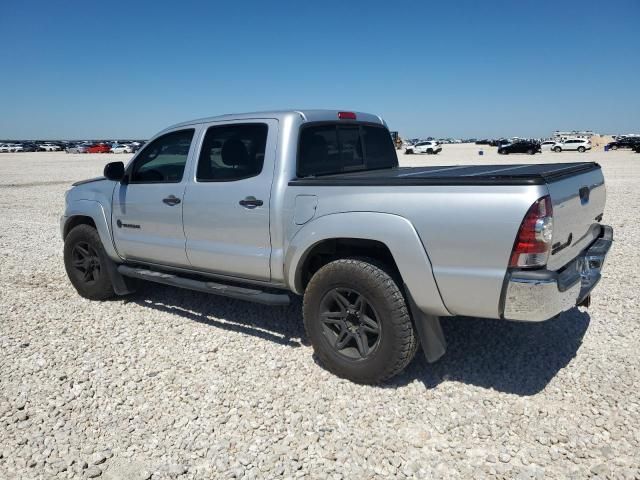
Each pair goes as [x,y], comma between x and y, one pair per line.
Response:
[121,285]
[429,330]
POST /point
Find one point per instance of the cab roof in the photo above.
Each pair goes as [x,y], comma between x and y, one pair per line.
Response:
[305,115]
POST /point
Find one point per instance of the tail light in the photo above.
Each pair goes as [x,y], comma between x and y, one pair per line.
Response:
[533,242]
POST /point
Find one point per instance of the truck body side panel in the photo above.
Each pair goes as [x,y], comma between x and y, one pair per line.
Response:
[467,232]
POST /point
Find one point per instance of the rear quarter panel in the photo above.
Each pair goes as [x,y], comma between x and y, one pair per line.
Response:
[467,232]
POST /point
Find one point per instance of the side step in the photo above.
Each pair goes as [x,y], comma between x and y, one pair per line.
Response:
[232,291]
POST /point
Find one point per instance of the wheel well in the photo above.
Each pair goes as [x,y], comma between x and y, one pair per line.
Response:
[77,220]
[332,249]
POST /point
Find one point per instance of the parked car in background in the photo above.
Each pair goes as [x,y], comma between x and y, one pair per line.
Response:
[626,142]
[579,144]
[29,147]
[49,147]
[547,145]
[99,148]
[121,149]
[430,147]
[10,147]
[80,148]
[523,146]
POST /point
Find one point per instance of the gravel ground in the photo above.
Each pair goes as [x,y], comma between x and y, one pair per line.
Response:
[177,384]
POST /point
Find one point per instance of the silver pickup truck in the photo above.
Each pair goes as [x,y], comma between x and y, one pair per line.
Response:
[262,206]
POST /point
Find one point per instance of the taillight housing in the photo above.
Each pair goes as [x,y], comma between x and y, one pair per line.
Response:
[533,243]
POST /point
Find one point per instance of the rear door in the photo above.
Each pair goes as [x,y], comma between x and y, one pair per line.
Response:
[147,207]
[226,207]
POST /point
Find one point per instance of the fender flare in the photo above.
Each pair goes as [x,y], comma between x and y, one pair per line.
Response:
[396,232]
[94,210]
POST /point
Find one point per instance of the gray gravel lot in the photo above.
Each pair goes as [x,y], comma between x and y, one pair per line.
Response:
[177,384]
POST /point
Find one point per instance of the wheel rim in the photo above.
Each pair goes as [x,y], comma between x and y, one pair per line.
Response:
[86,262]
[350,323]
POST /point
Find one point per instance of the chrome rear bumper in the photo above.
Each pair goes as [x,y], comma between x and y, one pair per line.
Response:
[538,295]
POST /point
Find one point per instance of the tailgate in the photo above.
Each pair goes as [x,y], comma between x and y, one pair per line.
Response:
[578,204]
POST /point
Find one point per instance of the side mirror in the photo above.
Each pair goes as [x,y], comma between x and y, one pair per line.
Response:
[114,171]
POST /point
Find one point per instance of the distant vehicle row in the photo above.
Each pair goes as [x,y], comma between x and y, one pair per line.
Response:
[532,147]
[84,147]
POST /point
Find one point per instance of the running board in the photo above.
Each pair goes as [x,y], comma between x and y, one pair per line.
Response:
[232,291]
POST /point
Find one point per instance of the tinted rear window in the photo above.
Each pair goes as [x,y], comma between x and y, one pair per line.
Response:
[334,148]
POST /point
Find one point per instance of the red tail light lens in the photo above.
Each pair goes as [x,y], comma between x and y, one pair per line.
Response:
[346,116]
[533,242]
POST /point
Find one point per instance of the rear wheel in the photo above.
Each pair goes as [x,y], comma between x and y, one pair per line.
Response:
[581,149]
[358,322]
[557,149]
[531,151]
[430,152]
[614,147]
[85,261]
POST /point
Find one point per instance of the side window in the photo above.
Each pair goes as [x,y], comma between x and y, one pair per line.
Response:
[164,159]
[232,152]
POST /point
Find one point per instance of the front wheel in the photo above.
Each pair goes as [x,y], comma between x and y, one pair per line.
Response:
[614,147]
[86,263]
[358,321]
[557,149]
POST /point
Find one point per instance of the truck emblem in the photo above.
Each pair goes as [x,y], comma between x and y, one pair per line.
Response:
[127,225]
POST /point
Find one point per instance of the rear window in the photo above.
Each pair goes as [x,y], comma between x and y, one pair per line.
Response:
[334,148]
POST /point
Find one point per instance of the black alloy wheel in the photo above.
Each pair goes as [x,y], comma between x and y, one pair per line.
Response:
[349,323]
[85,260]
[86,263]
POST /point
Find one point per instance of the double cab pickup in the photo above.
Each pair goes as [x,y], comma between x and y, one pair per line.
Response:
[266,206]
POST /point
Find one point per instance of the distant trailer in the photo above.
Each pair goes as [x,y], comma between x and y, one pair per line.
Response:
[586,134]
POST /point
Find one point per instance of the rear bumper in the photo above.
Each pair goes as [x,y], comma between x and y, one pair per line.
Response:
[538,295]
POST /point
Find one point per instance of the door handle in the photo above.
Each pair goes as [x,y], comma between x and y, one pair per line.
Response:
[251,202]
[171,200]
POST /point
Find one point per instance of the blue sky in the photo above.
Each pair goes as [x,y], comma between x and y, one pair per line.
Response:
[457,68]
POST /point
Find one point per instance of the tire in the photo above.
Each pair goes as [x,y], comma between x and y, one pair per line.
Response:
[409,152]
[531,151]
[581,149]
[369,308]
[85,261]
[613,147]
[557,149]
[430,152]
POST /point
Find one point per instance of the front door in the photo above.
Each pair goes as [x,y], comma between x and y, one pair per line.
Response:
[147,206]
[226,205]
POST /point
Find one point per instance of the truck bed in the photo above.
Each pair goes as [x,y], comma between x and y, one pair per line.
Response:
[522,174]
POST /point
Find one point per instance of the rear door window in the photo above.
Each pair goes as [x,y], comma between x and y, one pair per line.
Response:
[232,152]
[335,148]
